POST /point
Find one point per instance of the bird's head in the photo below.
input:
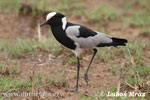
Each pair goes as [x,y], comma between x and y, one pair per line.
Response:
[53,18]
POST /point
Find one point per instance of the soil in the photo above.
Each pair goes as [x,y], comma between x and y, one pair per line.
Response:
[14,26]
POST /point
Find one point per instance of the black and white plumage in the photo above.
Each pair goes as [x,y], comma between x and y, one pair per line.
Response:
[77,37]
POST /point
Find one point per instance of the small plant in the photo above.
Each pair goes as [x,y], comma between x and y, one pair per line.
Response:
[72,60]
[39,6]
[140,18]
[148,44]
[109,55]
[77,8]
[20,48]
[112,68]
[77,12]
[145,32]
[63,6]
[135,51]
[56,51]
[8,6]
[135,75]
[102,13]
[1,68]
[52,80]
[11,70]
[24,84]
[14,69]
[102,94]
[36,78]
[3,45]
[7,83]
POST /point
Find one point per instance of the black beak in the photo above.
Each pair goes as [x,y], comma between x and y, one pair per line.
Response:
[43,23]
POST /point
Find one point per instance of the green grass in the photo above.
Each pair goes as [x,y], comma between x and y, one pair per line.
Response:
[39,4]
[37,79]
[103,94]
[9,6]
[7,83]
[137,74]
[135,52]
[138,19]
[148,44]
[21,47]
[52,80]
[102,13]
[11,70]
[3,45]
[72,60]
[56,51]
[141,3]
[24,84]
[63,6]
[59,80]
[12,84]
[109,53]
[15,84]
[68,6]
[14,69]
[77,8]
[1,67]
[145,32]
[135,13]
[112,68]
[136,69]
[138,4]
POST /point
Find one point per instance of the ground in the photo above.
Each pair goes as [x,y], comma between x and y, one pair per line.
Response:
[29,65]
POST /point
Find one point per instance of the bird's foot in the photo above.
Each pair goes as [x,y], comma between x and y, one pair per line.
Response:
[86,78]
[75,90]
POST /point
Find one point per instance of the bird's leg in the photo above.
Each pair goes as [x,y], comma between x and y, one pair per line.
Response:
[86,73]
[78,69]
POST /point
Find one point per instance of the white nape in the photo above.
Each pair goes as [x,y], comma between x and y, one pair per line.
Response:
[50,15]
[64,23]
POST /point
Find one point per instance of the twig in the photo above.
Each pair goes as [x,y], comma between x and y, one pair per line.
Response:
[119,80]
[39,32]
[32,81]
[42,86]
[132,60]
[130,85]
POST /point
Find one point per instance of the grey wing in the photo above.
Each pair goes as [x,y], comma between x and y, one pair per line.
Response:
[86,38]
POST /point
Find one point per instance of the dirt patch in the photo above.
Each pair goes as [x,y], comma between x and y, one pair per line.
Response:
[14,26]
[47,63]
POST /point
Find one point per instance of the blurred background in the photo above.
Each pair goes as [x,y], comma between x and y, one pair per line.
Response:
[31,60]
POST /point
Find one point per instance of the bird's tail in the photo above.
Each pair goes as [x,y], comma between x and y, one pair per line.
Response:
[115,42]
[119,42]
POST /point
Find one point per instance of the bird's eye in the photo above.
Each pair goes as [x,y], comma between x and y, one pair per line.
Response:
[53,18]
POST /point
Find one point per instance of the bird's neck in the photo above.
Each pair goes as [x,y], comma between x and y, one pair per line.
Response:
[64,23]
[59,23]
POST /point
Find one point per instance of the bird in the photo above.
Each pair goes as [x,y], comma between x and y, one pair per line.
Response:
[77,38]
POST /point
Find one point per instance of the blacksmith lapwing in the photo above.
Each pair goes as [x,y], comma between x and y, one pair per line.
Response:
[77,37]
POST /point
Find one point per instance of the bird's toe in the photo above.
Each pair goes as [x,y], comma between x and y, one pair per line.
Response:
[86,78]
[75,90]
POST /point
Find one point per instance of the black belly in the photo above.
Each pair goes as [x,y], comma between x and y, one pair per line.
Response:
[62,38]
